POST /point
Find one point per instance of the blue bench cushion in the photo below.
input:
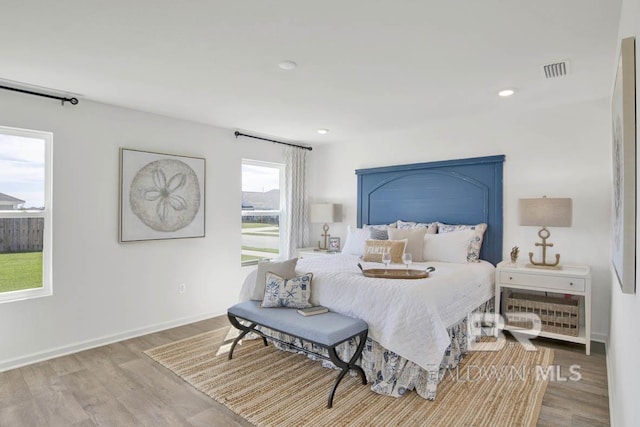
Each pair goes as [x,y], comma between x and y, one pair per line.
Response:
[327,329]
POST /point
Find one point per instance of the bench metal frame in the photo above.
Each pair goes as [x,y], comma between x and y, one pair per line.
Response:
[331,349]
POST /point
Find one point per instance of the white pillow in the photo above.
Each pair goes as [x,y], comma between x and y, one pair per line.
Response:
[415,244]
[356,239]
[447,247]
[473,252]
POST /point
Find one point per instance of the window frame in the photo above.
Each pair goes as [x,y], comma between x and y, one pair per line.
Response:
[281,211]
[47,238]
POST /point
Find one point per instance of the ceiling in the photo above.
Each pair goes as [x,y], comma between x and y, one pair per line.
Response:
[364,66]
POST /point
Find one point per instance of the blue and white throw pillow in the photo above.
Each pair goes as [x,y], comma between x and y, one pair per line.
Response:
[432,227]
[291,293]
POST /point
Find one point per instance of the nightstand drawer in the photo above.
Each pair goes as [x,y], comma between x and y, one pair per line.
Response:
[543,281]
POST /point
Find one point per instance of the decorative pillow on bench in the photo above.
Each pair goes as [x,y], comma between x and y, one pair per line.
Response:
[291,293]
[286,269]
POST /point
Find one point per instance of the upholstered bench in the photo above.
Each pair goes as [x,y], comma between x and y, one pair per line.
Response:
[326,330]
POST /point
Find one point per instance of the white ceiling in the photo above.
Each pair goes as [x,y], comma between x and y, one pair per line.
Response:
[365,66]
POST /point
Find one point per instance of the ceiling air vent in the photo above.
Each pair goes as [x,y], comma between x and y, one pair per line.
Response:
[558,69]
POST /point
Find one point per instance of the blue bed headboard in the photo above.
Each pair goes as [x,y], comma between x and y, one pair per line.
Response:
[463,191]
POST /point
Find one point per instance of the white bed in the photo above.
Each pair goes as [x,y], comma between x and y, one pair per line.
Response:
[417,328]
[410,318]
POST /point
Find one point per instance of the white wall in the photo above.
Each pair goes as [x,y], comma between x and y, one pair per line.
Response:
[624,336]
[559,152]
[104,290]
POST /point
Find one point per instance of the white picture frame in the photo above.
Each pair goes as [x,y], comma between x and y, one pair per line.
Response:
[162,196]
[334,244]
[623,110]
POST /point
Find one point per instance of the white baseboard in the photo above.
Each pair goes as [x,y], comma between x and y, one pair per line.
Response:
[598,337]
[29,359]
[610,387]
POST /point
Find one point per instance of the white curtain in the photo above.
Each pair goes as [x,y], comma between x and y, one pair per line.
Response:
[296,229]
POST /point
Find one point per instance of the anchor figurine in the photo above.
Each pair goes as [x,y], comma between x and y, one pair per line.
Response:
[544,235]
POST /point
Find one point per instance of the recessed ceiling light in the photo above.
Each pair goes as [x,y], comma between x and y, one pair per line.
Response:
[287,65]
[506,92]
[323,131]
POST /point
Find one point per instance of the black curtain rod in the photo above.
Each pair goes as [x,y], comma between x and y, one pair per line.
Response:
[73,101]
[237,134]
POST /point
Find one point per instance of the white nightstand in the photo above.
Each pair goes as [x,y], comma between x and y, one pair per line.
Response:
[572,280]
[307,252]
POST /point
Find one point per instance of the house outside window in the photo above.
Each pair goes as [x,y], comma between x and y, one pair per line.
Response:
[262,201]
[25,214]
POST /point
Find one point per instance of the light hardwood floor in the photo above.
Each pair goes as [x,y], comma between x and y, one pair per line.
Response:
[117,385]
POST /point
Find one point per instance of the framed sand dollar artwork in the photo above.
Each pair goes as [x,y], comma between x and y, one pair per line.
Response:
[161,196]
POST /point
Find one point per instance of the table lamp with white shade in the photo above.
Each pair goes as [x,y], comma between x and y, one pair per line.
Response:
[545,212]
[324,213]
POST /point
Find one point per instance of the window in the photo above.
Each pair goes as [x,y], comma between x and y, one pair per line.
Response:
[25,214]
[262,201]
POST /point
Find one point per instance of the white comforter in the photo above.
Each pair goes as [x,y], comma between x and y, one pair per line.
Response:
[408,317]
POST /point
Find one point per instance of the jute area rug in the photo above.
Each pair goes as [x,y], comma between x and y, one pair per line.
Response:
[269,387]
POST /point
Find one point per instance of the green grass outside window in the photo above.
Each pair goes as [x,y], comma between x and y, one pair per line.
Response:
[20,271]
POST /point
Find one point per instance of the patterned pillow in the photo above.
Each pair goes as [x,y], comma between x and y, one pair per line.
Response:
[292,293]
[380,231]
[432,227]
[473,253]
[378,234]
[286,269]
[415,240]
[374,249]
[380,226]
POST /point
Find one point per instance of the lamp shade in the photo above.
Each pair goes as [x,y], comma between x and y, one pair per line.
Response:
[324,213]
[545,212]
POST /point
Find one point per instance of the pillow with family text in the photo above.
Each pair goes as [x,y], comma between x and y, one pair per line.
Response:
[374,249]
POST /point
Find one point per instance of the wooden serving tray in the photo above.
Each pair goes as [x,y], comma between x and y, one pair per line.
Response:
[381,273]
